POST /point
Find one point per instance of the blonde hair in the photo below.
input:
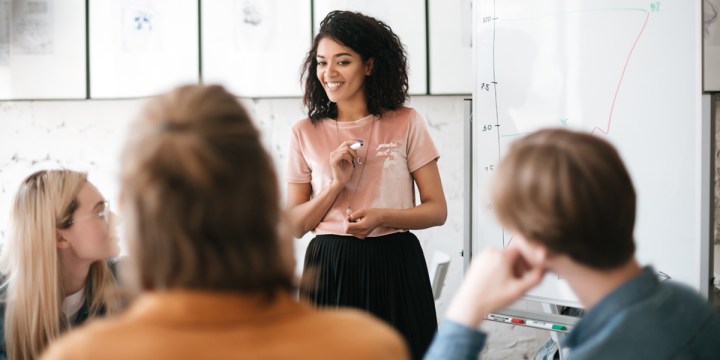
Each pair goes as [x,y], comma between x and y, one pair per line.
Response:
[31,269]
[571,192]
[201,197]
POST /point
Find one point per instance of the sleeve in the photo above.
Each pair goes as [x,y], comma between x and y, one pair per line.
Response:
[297,170]
[3,350]
[420,147]
[454,341]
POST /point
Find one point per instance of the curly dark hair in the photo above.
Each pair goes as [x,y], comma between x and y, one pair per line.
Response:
[386,88]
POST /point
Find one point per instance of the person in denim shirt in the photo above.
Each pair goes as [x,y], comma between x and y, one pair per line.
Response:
[570,204]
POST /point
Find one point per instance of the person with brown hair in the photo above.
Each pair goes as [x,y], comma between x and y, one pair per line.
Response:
[570,204]
[201,206]
[352,169]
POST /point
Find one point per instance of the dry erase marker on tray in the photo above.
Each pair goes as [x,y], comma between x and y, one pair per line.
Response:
[499,318]
[544,325]
[506,319]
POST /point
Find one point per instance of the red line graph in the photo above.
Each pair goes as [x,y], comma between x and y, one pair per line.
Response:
[622,76]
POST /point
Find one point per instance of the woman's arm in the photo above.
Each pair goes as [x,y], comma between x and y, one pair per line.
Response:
[303,213]
[306,211]
[432,210]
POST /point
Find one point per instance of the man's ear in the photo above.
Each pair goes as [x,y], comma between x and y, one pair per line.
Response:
[60,241]
[533,251]
[369,66]
[542,252]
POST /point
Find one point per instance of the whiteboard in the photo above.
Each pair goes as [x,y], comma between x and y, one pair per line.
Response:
[711,39]
[450,48]
[142,47]
[42,50]
[625,70]
[256,47]
[407,20]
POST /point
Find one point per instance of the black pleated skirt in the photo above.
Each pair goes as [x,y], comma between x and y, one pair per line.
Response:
[386,276]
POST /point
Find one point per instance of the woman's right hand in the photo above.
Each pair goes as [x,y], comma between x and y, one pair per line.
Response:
[342,163]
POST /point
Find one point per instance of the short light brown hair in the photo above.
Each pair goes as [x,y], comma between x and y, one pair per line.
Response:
[201,196]
[571,192]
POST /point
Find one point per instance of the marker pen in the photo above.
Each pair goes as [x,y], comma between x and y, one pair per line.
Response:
[499,318]
[544,325]
[506,319]
[357,145]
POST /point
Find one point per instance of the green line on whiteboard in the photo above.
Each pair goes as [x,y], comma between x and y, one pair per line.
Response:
[572,12]
[516,134]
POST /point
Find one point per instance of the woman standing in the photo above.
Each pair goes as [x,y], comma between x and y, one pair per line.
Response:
[54,268]
[352,168]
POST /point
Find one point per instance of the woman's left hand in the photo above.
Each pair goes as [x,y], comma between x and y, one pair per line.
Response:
[362,222]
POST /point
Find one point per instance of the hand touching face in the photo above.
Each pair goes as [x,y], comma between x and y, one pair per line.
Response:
[496,278]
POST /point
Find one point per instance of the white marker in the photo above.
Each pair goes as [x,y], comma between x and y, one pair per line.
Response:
[357,145]
[544,325]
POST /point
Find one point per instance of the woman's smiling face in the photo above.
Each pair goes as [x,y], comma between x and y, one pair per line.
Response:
[341,72]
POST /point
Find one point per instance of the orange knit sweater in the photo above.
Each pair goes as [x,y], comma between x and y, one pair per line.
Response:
[204,325]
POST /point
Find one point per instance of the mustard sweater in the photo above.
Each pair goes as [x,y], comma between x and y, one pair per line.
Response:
[205,325]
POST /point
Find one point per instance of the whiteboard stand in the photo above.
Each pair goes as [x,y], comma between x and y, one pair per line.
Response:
[467,184]
[557,337]
[438,270]
[708,186]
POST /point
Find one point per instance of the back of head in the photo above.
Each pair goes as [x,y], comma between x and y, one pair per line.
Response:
[200,196]
[44,202]
[387,85]
[571,192]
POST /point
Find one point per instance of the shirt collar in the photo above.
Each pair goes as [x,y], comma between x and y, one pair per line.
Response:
[187,307]
[632,291]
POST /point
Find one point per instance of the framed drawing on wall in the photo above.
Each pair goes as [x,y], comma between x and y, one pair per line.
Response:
[142,47]
[407,20]
[255,47]
[42,50]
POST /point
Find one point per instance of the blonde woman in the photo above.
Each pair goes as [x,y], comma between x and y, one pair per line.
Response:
[54,268]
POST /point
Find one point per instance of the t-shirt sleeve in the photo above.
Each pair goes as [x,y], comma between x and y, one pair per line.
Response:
[297,170]
[420,147]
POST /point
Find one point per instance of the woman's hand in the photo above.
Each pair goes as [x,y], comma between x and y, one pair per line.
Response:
[342,163]
[362,222]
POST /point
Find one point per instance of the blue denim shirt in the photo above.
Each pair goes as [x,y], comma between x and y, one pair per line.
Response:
[642,319]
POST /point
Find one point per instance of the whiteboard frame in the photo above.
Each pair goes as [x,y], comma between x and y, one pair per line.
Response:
[449,47]
[705,131]
[36,76]
[127,64]
[263,68]
[711,51]
[391,13]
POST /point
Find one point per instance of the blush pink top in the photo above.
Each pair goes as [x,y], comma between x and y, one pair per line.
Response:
[396,145]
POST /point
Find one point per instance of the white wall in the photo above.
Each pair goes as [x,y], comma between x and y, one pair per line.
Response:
[88,135]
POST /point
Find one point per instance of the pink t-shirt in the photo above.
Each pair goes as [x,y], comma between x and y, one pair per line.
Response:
[399,145]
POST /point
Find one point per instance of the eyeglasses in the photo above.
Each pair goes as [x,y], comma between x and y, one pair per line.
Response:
[104,214]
